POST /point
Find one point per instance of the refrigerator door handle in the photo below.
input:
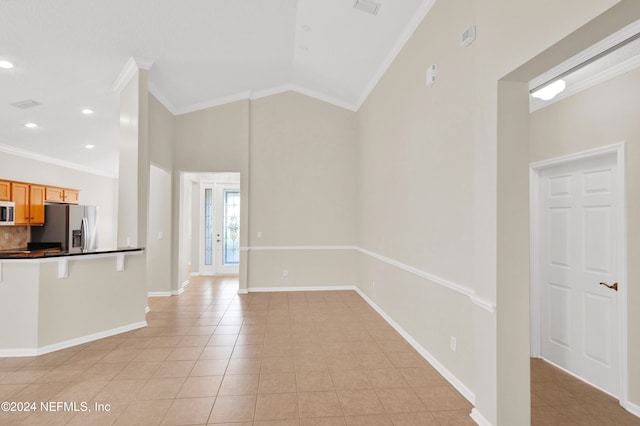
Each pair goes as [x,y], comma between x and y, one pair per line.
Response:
[85,231]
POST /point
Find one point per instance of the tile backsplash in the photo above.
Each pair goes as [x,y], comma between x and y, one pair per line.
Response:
[12,237]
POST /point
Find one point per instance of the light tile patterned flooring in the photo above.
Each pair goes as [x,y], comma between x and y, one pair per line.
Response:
[558,398]
[210,356]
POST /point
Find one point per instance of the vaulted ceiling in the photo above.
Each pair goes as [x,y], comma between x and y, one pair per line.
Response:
[68,53]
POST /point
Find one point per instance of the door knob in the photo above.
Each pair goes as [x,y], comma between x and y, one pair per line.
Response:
[613,286]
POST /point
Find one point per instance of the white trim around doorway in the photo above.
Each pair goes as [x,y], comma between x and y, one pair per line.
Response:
[535,170]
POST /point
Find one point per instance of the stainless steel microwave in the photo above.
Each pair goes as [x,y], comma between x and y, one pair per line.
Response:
[7,213]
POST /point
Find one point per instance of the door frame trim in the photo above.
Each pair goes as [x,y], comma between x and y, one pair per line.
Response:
[535,171]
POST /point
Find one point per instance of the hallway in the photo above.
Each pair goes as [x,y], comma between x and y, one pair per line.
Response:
[210,356]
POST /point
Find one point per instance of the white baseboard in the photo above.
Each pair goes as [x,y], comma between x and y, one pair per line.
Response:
[165,293]
[632,408]
[147,310]
[185,283]
[479,418]
[243,291]
[194,274]
[72,342]
[315,288]
[159,294]
[457,383]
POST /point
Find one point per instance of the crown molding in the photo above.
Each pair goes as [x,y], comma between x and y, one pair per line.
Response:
[55,161]
[213,103]
[325,98]
[157,93]
[275,90]
[411,27]
[303,91]
[249,95]
[132,66]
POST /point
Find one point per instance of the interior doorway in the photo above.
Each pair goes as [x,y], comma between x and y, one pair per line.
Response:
[202,216]
[578,252]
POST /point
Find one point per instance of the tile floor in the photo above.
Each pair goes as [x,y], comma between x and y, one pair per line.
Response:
[558,398]
[210,356]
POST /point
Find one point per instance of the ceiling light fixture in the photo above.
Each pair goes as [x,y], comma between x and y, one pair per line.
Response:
[6,65]
[31,125]
[549,91]
[89,146]
[87,111]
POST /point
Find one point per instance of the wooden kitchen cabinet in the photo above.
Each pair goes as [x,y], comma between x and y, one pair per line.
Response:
[54,195]
[61,195]
[36,204]
[29,201]
[5,190]
[71,196]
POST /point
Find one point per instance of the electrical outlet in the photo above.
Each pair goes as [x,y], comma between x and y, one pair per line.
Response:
[452,343]
[259,234]
[373,284]
[285,273]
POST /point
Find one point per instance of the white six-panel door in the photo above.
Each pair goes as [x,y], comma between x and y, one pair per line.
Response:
[579,328]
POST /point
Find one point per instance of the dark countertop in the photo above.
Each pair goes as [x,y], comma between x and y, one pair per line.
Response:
[46,253]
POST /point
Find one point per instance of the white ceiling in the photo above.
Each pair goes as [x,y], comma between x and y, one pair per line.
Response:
[68,54]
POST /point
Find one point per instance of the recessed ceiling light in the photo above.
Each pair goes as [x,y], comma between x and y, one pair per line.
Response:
[87,111]
[89,146]
[6,65]
[31,125]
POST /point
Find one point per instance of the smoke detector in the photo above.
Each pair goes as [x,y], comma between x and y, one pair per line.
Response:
[29,103]
[367,6]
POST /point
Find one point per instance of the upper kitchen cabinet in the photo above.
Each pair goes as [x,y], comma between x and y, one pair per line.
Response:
[36,204]
[29,201]
[5,190]
[61,195]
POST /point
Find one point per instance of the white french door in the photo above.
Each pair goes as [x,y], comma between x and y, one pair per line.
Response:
[579,268]
[219,228]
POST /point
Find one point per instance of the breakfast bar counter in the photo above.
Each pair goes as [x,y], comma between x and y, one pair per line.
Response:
[54,300]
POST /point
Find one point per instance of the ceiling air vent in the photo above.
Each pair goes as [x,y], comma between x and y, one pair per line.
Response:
[367,6]
[29,103]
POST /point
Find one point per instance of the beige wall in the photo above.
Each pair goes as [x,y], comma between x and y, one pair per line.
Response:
[128,196]
[210,140]
[513,252]
[269,141]
[603,115]
[446,155]
[84,303]
[415,189]
[303,185]
[426,176]
[159,235]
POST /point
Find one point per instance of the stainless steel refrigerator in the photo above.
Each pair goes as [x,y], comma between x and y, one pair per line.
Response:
[74,227]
